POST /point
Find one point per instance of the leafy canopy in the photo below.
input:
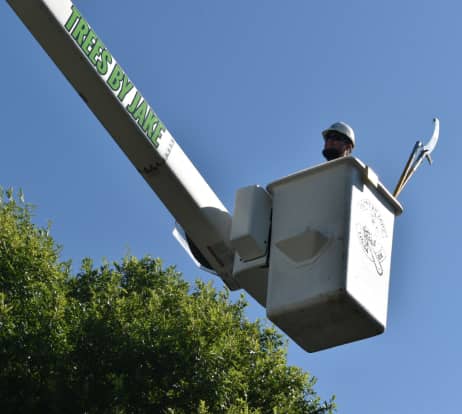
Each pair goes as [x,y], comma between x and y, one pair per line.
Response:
[130,337]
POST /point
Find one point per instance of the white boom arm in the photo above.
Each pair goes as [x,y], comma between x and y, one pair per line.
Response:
[80,54]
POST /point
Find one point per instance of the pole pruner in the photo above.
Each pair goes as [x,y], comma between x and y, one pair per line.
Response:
[419,152]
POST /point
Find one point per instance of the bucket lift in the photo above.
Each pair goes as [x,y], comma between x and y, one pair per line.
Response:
[328,260]
[314,248]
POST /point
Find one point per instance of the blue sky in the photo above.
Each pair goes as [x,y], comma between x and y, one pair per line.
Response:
[245,88]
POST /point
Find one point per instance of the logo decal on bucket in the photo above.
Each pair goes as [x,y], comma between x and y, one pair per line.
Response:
[371,232]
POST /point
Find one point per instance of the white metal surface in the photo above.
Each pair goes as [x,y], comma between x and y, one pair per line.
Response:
[252,276]
[101,82]
[330,254]
[251,222]
[250,233]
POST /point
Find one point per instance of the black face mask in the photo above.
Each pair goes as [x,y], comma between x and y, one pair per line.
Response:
[331,153]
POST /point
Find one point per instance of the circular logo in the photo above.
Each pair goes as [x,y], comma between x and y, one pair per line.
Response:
[371,233]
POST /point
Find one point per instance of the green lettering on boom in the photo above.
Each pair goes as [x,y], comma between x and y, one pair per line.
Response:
[72,18]
[160,129]
[96,50]
[118,80]
[150,122]
[127,86]
[140,113]
[89,41]
[103,64]
[131,107]
[115,78]
[80,31]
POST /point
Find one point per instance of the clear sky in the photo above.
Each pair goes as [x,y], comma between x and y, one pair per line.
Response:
[245,87]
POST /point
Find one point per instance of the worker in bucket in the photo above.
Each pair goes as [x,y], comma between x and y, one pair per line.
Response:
[339,141]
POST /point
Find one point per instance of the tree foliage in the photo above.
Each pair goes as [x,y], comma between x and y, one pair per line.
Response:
[130,337]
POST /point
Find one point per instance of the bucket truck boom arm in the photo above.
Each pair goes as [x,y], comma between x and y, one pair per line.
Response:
[89,66]
[314,247]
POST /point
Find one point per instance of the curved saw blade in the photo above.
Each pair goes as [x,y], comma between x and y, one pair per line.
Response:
[427,149]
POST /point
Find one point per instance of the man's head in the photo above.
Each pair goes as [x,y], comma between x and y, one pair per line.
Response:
[339,141]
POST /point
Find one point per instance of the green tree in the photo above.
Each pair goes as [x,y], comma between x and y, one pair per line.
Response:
[130,337]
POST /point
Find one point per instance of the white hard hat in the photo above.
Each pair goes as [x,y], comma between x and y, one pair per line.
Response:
[341,128]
